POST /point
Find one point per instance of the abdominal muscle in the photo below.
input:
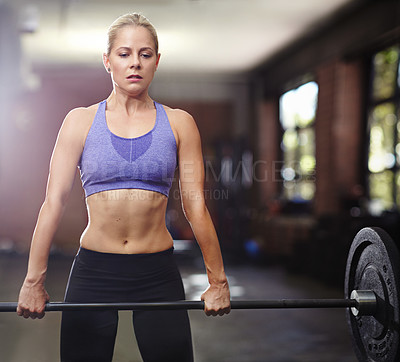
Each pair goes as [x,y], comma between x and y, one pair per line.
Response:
[126,221]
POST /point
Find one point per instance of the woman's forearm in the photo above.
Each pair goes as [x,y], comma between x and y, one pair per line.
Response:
[204,231]
[46,226]
[217,296]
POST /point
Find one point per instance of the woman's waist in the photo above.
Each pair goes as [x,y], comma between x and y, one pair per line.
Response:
[126,241]
[142,266]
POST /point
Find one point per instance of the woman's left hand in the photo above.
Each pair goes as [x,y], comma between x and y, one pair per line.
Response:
[217,299]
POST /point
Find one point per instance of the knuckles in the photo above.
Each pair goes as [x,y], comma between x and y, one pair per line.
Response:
[25,311]
[217,311]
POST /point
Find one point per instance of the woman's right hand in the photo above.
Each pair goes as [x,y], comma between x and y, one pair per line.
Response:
[32,300]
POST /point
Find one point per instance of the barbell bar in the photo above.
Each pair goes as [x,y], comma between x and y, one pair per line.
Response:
[365,303]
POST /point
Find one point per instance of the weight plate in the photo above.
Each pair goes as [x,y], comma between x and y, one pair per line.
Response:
[373,264]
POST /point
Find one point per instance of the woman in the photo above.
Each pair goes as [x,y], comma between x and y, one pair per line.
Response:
[127,149]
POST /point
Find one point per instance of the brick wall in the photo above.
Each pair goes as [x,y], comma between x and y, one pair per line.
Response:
[348,130]
[325,198]
[339,134]
[267,151]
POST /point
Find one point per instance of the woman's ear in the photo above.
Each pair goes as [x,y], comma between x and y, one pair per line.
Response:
[106,63]
[158,60]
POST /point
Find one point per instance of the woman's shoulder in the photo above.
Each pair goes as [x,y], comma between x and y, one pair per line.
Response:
[183,124]
[82,114]
[179,117]
[79,120]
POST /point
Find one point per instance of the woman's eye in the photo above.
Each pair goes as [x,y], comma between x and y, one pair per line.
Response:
[146,55]
[123,55]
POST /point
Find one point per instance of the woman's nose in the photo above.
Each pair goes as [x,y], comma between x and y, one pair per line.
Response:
[135,61]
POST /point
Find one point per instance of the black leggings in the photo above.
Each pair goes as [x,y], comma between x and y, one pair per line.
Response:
[113,278]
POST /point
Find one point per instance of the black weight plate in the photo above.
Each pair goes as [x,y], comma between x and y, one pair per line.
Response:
[373,264]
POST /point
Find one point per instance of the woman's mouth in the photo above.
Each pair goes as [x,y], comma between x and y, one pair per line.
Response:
[134,77]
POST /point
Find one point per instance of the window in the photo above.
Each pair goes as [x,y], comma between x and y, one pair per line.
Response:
[297,109]
[384,131]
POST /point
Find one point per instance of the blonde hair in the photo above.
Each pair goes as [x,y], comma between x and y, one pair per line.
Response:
[134,19]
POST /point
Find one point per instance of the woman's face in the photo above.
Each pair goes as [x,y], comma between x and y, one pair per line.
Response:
[132,60]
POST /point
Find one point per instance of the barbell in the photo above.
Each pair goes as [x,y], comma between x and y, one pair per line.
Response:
[372,284]
[366,304]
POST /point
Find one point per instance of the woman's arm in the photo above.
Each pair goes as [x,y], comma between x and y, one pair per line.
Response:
[191,181]
[63,164]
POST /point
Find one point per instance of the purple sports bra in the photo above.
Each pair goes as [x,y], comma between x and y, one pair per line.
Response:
[110,162]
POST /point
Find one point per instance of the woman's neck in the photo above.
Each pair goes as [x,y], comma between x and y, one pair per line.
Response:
[129,103]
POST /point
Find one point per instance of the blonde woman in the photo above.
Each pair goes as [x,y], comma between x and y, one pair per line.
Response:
[127,148]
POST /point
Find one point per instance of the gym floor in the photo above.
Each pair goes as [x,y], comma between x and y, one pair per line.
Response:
[314,335]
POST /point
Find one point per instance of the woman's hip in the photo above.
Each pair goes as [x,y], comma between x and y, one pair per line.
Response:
[105,277]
